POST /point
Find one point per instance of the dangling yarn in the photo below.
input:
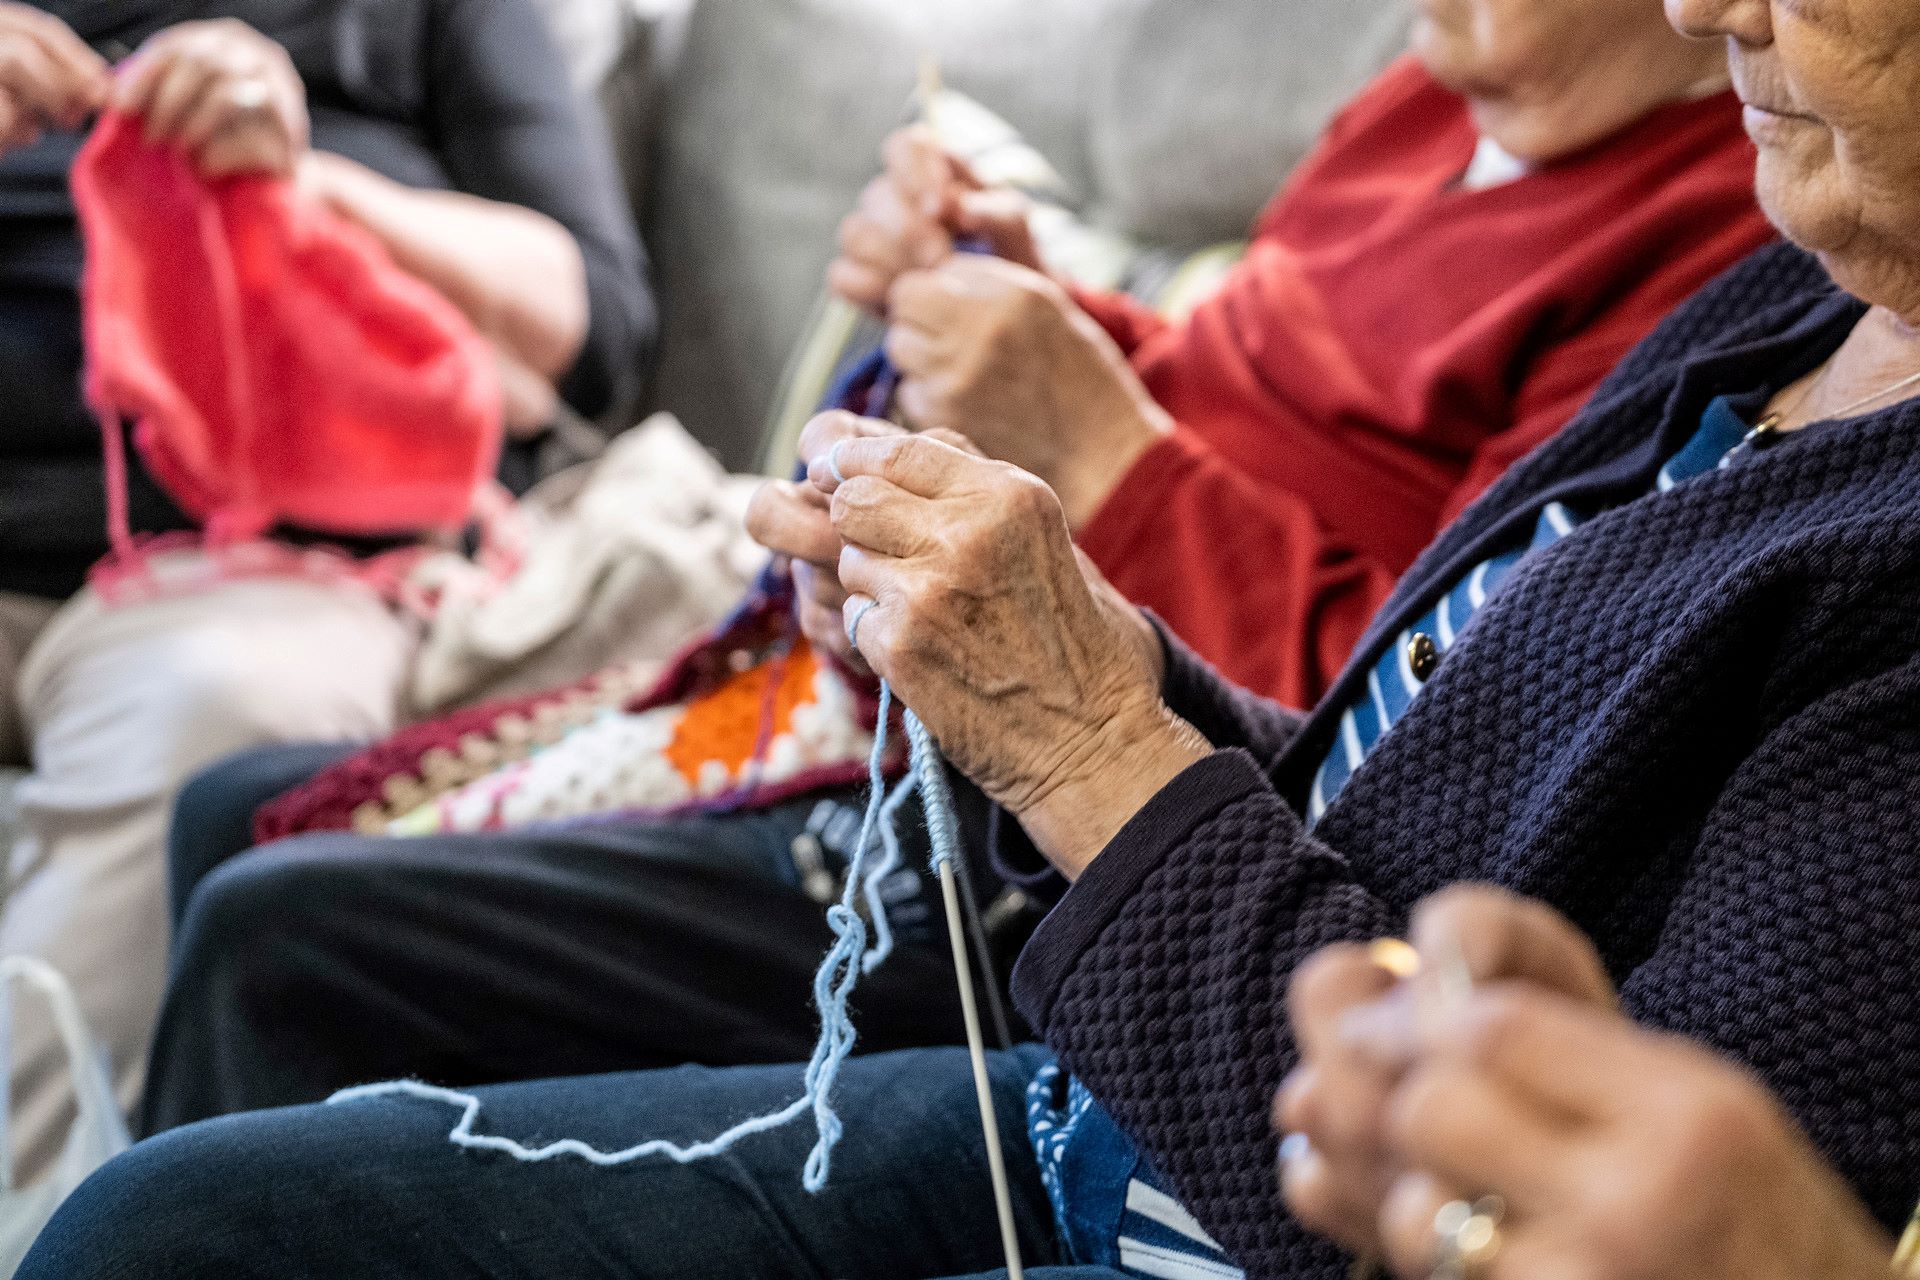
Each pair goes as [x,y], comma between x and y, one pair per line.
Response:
[833,985]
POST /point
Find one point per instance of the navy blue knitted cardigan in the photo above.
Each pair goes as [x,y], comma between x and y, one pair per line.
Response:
[1693,725]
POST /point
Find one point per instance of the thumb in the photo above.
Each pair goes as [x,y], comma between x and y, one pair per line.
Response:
[999,216]
[1502,937]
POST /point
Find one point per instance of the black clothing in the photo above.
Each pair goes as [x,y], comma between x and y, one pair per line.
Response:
[464,95]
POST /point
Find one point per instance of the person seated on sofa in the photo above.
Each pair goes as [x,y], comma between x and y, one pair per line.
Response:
[1677,700]
[1479,238]
[1416,311]
[447,129]
[1590,1146]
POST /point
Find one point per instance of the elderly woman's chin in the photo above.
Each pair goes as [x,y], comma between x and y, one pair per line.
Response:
[1801,192]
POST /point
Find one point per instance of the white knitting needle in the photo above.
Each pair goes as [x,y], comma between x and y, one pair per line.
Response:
[977,1051]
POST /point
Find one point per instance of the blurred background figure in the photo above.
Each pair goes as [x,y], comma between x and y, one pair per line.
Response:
[446,128]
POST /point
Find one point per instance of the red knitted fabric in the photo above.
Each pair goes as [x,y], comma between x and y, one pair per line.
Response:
[279,367]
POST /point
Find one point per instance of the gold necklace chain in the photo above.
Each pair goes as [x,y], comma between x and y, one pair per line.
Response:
[1772,421]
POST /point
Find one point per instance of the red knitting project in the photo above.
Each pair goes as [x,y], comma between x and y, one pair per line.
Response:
[280,369]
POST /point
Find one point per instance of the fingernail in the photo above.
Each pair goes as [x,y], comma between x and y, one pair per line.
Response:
[1295,1147]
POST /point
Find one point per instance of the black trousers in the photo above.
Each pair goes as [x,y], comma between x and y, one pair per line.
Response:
[325,961]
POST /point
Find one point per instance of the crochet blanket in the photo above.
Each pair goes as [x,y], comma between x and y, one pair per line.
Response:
[747,716]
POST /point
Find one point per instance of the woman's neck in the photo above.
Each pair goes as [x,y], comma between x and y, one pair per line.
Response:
[1551,122]
[1861,376]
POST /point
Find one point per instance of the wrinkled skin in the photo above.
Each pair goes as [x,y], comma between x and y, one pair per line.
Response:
[909,216]
[1621,1154]
[1041,683]
[1001,353]
[991,346]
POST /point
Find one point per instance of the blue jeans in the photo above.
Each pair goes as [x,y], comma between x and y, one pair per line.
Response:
[373,1189]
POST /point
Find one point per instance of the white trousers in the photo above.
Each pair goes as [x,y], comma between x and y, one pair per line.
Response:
[120,705]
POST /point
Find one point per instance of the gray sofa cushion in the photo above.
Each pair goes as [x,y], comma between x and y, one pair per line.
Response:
[1200,107]
[773,112]
[772,123]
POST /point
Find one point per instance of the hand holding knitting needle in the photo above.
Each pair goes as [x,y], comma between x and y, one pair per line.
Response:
[49,78]
[909,217]
[794,520]
[1616,1153]
[967,594]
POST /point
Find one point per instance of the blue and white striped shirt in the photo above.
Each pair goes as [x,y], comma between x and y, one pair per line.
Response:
[1403,670]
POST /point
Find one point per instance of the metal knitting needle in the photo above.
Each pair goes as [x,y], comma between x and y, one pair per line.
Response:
[977,1051]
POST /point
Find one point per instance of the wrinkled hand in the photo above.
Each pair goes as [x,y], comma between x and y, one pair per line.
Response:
[1003,354]
[49,78]
[222,92]
[794,520]
[1358,1028]
[965,591]
[909,217]
[1620,1155]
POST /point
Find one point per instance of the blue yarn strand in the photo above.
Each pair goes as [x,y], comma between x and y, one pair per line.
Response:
[890,861]
[833,985]
[930,771]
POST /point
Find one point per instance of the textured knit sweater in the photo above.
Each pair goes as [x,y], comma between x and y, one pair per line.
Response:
[1692,725]
[1392,342]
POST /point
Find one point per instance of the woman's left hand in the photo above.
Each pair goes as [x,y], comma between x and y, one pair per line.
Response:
[967,594]
[225,94]
[1003,355]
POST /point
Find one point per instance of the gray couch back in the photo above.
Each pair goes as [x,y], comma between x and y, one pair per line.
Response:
[751,126]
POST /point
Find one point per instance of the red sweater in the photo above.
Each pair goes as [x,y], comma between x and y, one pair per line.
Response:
[1390,345]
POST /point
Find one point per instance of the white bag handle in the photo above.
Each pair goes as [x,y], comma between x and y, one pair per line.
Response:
[92,1086]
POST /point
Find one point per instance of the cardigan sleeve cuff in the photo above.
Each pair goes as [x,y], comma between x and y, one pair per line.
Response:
[1128,524]
[1147,842]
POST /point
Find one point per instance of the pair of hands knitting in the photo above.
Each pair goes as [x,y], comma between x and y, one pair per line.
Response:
[991,345]
[222,92]
[1041,683]
[951,548]
[1619,1154]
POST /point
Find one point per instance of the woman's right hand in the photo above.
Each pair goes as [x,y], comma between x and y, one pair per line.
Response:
[909,217]
[49,78]
[1617,1153]
[1357,1025]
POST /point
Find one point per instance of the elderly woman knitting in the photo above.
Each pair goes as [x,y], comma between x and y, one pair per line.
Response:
[1507,1123]
[1662,677]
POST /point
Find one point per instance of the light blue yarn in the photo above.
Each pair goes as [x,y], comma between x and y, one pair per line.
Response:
[833,984]
[936,797]
[889,862]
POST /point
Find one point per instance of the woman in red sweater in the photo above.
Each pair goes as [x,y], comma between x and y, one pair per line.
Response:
[1479,238]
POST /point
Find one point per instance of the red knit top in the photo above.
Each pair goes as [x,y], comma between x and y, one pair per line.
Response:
[1391,344]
